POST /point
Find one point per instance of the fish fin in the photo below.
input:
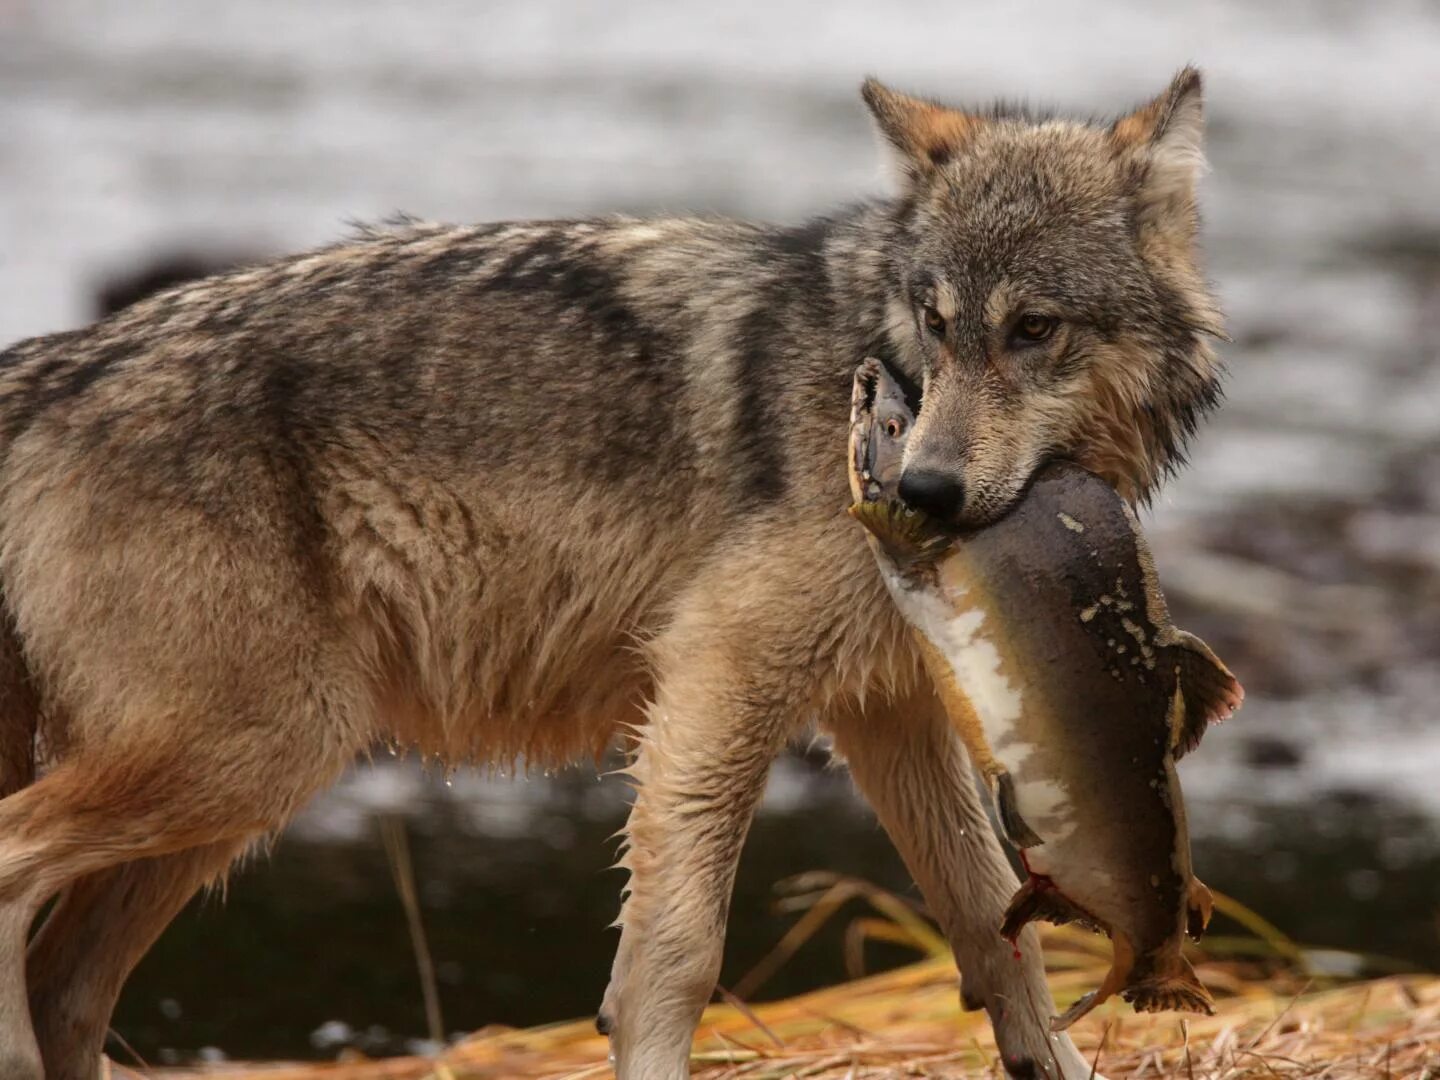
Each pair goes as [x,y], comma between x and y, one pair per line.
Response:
[1021,910]
[1121,966]
[907,535]
[1178,988]
[1199,906]
[1075,1011]
[1011,823]
[1038,899]
[1209,692]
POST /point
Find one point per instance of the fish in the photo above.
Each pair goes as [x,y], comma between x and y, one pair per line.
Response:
[1051,645]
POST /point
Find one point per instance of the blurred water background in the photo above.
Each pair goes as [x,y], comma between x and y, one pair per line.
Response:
[1304,543]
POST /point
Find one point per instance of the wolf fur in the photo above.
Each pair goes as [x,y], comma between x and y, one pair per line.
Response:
[510,491]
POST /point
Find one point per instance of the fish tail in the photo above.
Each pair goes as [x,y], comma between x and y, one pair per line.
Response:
[1177,987]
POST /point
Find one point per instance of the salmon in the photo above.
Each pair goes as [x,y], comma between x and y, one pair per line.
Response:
[1048,638]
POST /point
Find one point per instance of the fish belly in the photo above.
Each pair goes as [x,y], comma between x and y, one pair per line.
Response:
[963,633]
[1079,871]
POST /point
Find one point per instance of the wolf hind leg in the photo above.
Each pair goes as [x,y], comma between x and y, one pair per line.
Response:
[19,711]
[97,932]
[19,721]
[157,788]
[19,1051]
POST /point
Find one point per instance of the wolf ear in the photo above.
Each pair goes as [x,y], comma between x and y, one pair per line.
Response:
[924,134]
[1166,139]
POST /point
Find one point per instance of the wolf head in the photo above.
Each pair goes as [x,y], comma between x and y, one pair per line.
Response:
[1045,287]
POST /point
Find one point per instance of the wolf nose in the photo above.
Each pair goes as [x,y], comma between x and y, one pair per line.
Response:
[935,493]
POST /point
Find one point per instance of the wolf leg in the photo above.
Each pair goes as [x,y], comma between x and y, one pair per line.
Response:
[71,830]
[19,1052]
[909,762]
[170,782]
[99,929]
[722,711]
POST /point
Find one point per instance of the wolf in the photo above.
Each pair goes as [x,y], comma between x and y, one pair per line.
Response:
[514,491]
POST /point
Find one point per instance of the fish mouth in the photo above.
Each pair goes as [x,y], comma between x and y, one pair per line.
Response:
[864,487]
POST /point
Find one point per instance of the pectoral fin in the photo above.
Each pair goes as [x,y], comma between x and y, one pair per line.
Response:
[1083,1004]
[1120,968]
[1199,906]
[1011,823]
[1206,689]
[1038,899]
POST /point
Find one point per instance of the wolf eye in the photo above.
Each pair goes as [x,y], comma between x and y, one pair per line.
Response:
[1032,328]
[934,320]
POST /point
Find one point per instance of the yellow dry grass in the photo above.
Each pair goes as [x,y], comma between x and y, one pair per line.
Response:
[1273,1019]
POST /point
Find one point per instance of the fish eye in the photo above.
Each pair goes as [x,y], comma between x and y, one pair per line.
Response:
[1032,328]
[894,427]
[934,320]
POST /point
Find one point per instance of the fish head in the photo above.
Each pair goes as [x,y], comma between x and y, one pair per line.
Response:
[880,423]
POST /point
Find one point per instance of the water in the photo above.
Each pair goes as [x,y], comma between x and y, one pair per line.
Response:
[1302,544]
[309,952]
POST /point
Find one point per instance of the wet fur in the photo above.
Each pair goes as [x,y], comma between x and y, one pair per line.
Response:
[516,490]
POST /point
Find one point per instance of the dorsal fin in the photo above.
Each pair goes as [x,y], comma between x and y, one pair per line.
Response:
[1206,691]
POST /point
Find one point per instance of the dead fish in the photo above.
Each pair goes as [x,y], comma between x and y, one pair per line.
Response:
[1048,638]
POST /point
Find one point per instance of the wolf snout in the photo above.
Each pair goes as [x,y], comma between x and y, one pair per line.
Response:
[938,494]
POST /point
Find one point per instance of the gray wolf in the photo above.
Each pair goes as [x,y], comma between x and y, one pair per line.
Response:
[510,491]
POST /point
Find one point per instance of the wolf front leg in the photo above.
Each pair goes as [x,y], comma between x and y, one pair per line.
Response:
[911,766]
[716,725]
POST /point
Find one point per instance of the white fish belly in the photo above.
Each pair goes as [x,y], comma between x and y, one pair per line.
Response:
[962,633]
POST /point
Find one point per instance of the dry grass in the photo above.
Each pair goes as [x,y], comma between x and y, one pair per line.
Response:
[1273,1019]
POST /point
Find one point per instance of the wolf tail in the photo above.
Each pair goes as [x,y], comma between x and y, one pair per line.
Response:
[1173,985]
[19,710]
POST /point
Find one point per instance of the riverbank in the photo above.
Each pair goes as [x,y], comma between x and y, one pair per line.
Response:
[907,1023]
[1281,1011]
